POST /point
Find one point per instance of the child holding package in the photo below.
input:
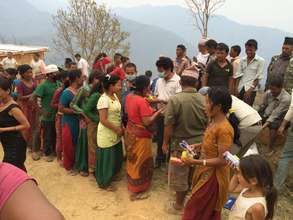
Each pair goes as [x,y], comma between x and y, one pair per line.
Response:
[254,181]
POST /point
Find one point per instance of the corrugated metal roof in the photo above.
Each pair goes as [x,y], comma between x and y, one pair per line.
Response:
[4,48]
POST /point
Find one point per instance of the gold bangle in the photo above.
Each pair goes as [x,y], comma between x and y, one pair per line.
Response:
[204,162]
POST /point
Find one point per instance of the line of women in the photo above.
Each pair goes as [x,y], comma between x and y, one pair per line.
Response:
[89,128]
[92,131]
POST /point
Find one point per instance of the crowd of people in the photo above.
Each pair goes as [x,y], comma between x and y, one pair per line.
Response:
[93,119]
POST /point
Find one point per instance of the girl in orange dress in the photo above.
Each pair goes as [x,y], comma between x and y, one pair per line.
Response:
[211,177]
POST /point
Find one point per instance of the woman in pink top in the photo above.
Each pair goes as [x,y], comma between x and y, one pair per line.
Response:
[15,189]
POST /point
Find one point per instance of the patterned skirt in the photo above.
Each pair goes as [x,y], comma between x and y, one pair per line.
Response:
[139,164]
[202,204]
[92,144]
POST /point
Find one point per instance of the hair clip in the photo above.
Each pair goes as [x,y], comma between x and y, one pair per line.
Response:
[108,76]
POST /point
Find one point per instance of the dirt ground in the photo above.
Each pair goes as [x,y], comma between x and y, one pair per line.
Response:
[79,198]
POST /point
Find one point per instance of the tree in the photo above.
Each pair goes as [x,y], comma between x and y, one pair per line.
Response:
[202,10]
[89,29]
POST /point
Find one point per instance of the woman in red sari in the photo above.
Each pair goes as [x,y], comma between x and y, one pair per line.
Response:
[64,79]
[25,90]
[211,177]
[138,139]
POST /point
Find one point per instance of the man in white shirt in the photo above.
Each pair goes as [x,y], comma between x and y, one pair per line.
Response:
[203,53]
[82,64]
[167,85]
[9,62]
[38,65]
[250,73]
[250,122]
[235,60]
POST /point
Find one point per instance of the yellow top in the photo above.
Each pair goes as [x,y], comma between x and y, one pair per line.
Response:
[106,137]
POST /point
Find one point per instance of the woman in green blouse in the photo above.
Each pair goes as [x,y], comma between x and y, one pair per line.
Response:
[91,111]
[79,104]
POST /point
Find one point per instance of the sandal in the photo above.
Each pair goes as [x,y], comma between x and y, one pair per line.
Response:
[111,188]
[72,172]
[139,196]
[84,174]
[170,209]
[36,156]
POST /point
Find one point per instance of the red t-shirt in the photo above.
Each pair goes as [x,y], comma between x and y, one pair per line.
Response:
[118,71]
[136,108]
[100,65]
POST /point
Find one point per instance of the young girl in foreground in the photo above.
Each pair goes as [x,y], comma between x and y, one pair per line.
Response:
[254,182]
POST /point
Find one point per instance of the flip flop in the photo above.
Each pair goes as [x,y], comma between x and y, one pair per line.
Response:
[139,196]
[84,174]
[111,189]
[72,172]
[170,209]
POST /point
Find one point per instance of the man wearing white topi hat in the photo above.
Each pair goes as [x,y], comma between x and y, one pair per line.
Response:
[185,119]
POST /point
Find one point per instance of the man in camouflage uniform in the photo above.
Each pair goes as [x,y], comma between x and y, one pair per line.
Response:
[288,78]
[282,65]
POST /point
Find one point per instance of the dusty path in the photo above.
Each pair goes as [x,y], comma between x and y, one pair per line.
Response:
[79,198]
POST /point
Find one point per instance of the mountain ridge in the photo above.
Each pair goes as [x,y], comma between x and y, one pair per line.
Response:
[154,30]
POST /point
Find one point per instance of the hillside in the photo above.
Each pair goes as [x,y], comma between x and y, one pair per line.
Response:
[147,42]
[153,30]
[179,20]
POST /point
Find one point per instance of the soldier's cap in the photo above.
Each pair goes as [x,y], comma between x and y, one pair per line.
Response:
[288,41]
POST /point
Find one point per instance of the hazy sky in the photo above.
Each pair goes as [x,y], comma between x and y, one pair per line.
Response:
[271,13]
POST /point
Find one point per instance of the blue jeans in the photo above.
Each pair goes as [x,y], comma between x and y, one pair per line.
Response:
[286,157]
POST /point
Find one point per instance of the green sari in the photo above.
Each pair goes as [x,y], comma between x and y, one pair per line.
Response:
[81,151]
